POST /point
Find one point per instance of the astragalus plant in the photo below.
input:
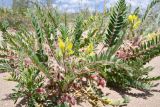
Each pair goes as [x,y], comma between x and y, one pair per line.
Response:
[57,65]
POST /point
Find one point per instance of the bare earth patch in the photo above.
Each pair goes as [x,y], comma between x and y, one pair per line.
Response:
[5,91]
[137,98]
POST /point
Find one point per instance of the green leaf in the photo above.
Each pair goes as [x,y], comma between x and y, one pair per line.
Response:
[116,24]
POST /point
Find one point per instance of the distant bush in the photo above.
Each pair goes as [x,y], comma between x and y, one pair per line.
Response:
[15,19]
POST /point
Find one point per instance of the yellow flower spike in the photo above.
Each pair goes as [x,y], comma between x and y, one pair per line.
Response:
[132,18]
[69,46]
[108,101]
[137,24]
[152,36]
[61,44]
[89,49]
[135,17]
[65,47]
[70,52]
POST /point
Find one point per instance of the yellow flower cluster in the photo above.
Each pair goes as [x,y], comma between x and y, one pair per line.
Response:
[108,101]
[89,49]
[152,36]
[134,20]
[65,47]
[61,44]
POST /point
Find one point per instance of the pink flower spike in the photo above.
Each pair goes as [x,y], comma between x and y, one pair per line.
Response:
[94,77]
[40,90]
[27,61]
[102,82]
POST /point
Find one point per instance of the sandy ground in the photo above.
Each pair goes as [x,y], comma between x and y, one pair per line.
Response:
[141,99]
[137,98]
[5,90]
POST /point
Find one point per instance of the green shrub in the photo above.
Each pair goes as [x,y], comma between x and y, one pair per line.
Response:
[56,65]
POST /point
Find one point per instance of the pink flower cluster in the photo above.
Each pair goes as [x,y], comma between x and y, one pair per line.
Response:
[40,90]
[99,80]
[68,98]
